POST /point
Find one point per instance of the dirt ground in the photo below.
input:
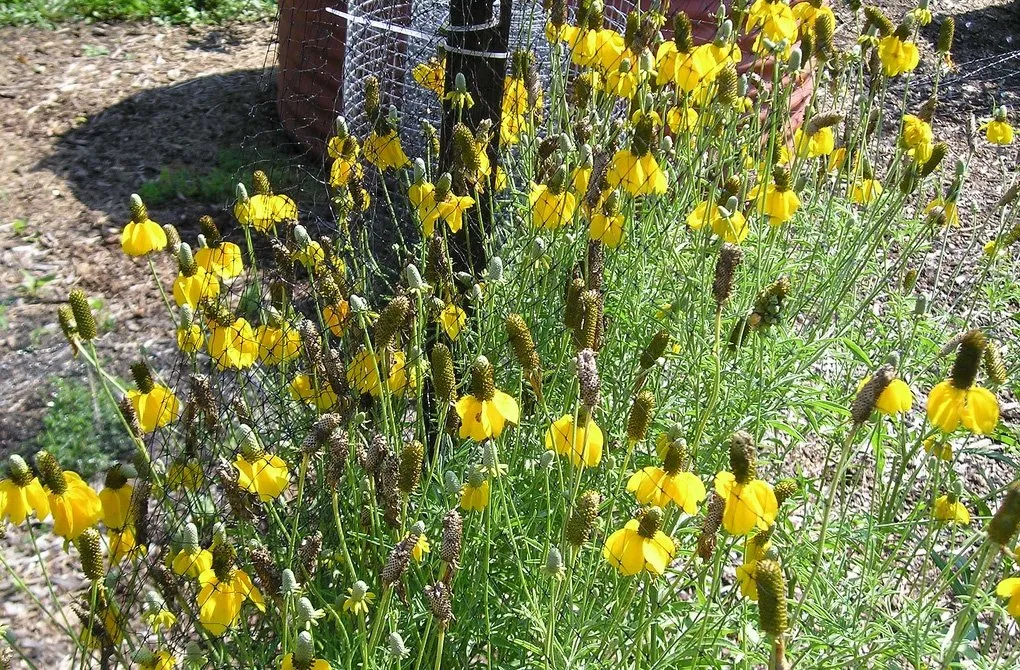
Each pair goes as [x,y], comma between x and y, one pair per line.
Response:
[88,112]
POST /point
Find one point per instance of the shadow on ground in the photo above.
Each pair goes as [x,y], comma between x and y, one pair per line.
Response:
[184,146]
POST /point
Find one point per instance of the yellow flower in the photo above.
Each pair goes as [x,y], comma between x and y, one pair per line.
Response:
[343,170]
[265,475]
[582,444]
[942,450]
[263,210]
[640,545]
[821,143]
[277,344]
[156,408]
[123,545]
[358,599]
[950,209]
[22,493]
[517,110]
[776,23]
[116,503]
[191,290]
[866,191]
[312,256]
[549,209]
[607,228]
[451,210]
[622,81]
[689,71]
[898,55]
[779,205]
[220,601]
[384,151]
[142,237]
[192,563]
[475,496]
[916,133]
[316,663]
[807,13]
[836,160]
[184,475]
[224,261]
[420,548]
[75,508]
[656,486]
[232,346]
[321,396]
[974,407]
[949,508]
[337,317]
[639,175]
[484,419]
[704,213]
[581,179]
[363,373]
[1010,588]
[189,340]
[111,631]
[453,319]
[161,660]
[748,505]
[732,229]
[755,549]
[999,132]
[431,75]
[896,398]
[681,120]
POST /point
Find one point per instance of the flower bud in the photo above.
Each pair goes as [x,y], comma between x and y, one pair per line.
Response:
[396,646]
[289,585]
[452,483]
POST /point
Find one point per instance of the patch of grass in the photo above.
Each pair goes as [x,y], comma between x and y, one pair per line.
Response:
[48,12]
[214,187]
[83,432]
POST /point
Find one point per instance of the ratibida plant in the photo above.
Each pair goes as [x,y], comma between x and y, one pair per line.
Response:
[649,381]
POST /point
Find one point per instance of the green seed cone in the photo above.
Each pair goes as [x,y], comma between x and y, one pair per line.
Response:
[995,367]
[583,518]
[786,489]
[83,319]
[683,33]
[390,321]
[771,597]
[1003,525]
[864,402]
[521,342]
[743,457]
[650,522]
[640,417]
[409,470]
[443,378]
[143,376]
[947,29]
[483,385]
[261,182]
[968,359]
[654,350]
[88,545]
[875,17]
[50,473]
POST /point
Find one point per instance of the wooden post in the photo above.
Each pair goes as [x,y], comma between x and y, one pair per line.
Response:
[484,76]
